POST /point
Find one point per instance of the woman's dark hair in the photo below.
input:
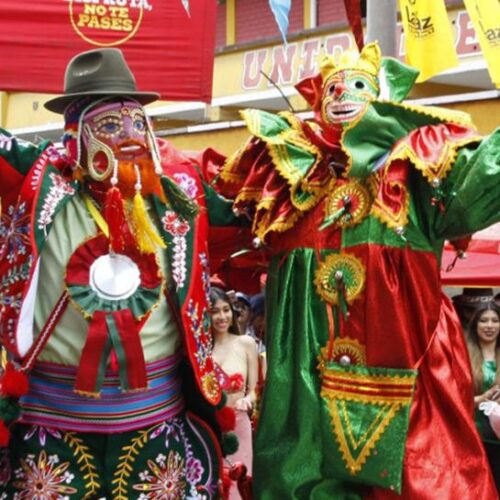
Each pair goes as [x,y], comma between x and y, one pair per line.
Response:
[475,353]
[478,311]
[216,294]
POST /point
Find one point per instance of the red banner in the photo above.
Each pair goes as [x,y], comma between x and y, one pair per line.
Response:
[169,50]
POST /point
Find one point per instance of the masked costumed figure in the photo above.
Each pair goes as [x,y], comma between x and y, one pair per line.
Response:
[368,390]
[104,283]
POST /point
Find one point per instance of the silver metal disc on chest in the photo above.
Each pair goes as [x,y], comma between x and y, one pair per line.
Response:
[114,276]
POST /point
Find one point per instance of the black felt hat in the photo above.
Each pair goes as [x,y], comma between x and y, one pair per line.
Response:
[472,297]
[99,73]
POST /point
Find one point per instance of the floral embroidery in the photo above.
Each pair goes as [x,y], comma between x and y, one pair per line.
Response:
[174,429]
[42,433]
[200,329]
[175,224]
[194,470]
[187,184]
[49,155]
[178,228]
[11,292]
[205,275]
[59,189]
[165,479]
[14,232]
[42,479]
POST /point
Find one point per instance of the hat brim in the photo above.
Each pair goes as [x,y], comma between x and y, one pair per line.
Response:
[59,104]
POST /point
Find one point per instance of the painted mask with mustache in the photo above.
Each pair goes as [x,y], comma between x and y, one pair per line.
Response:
[116,137]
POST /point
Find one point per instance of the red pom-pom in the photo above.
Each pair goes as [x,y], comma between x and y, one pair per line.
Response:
[4,435]
[13,383]
[226,418]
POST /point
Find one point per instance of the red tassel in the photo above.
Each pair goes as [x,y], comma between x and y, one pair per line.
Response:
[120,235]
[14,383]
[238,473]
[226,418]
[461,244]
[4,435]
[226,484]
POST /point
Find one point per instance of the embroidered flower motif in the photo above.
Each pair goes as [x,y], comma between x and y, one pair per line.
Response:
[14,229]
[49,155]
[166,482]
[59,189]
[41,479]
[175,224]
[205,275]
[194,470]
[200,329]
[10,283]
[42,435]
[178,228]
[187,184]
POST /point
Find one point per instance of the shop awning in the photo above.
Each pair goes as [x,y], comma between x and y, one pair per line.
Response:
[480,267]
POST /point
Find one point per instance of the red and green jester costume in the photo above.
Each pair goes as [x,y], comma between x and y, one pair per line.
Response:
[37,189]
[368,391]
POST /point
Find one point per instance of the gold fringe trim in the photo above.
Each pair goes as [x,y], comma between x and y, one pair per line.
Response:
[385,215]
[277,148]
[443,114]
[227,173]
[432,170]
[380,423]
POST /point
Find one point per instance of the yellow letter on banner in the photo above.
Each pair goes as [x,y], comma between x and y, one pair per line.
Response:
[429,39]
[485,16]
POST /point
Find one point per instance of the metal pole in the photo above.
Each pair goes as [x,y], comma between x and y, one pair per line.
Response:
[381,18]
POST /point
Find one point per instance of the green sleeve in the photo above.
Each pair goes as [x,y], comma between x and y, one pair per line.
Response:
[471,193]
[220,209]
[19,154]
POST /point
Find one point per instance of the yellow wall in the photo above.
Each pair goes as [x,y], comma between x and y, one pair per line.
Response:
[485,114]
[228,141]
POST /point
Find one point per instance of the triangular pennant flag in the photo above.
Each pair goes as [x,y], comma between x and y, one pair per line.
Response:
[485,17]
[281,9]
[429,40]
[185,3]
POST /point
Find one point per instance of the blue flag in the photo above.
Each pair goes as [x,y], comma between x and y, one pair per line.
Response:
[281,9]
[185,3]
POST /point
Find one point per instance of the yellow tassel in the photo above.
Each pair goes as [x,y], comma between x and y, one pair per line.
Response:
[145,233]
[4,358]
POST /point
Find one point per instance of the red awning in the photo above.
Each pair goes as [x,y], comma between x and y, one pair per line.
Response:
[476,270]
[481,267]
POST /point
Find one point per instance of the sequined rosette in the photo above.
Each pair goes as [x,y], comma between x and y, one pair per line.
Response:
[117,293]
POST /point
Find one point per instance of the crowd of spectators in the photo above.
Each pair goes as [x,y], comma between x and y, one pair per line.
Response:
[479,312]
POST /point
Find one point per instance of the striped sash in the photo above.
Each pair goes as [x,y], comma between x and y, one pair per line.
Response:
[52,401]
